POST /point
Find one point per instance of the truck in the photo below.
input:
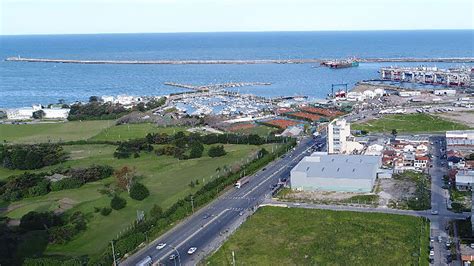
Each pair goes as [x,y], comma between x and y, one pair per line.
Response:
[244,180]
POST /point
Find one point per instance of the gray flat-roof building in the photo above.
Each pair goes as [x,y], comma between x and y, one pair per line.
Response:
[336,172]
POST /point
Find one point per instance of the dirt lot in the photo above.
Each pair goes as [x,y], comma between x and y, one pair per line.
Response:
[394,190]
[466,117]
[320,196]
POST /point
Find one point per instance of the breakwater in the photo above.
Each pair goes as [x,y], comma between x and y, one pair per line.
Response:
[241,62]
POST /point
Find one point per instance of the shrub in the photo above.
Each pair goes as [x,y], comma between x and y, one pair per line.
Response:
[105,211]
[138,191]
[216,151]
[66,183]
[118,203]
[27,157]
[39,221]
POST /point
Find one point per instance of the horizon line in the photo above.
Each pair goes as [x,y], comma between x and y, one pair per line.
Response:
[237,31]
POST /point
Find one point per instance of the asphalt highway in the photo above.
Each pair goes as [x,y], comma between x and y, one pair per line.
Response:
[213,222]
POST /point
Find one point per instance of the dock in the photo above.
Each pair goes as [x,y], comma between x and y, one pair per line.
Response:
[238,62]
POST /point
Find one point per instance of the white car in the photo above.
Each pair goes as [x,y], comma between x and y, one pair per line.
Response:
[431,253]
[161,246]
[192,250]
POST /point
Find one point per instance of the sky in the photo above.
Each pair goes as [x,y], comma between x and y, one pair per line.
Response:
[140,16]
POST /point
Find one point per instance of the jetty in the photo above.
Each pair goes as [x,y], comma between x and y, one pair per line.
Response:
[238,61]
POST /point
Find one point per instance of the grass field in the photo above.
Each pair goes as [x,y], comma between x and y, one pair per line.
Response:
[166,177]
[409,123]
[132,131]
[261,130]
[281,236]
[35,133]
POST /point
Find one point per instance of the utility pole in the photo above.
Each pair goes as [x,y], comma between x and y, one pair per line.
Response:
[192,203]
[113,253]
[233,258]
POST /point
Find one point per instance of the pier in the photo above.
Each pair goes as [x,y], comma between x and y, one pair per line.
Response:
[238,62]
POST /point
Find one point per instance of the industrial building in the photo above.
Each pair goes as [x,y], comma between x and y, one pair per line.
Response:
[336,172]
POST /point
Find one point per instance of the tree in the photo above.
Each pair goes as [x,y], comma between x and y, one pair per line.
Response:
[118,203]
[217,151]
[105,211]
[94,99]
[156,211]
[39,114]
[196,150]
[138,191]
[125,177]
[39,220]
[394,133]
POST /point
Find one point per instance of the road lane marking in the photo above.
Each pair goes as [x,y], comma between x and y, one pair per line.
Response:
[192,235]
[274,173]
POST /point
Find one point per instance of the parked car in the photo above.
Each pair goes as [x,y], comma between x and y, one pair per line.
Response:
[431,253]
[161,246]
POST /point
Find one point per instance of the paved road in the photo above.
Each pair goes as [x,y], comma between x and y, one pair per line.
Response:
[225,214]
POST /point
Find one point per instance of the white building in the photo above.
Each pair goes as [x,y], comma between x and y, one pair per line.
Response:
[338,132]
[409,93]
[27,113]
[335,172]
[464,179]
[339,138]
[460,134]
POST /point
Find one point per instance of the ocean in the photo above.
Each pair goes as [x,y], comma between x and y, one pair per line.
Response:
[24,84]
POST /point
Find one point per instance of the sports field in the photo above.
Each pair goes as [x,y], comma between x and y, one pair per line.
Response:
[282,236]
[409,123]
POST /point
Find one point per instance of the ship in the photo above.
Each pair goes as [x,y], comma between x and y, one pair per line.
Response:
[340,63]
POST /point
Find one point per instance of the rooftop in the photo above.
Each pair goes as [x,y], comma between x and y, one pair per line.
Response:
[339,166]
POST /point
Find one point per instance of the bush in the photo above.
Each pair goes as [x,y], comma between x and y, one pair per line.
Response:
[216,151]
[65,183]
[105,211]
[28,157]
[138,191]
[118,203]
[39,221]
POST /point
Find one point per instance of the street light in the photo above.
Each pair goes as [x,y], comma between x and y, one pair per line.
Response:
[179,257]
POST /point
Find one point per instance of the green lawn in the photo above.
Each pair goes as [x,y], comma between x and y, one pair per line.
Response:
[409,123]
[166,177]
[44,132]
[261,130]
[281,236]
[132,131]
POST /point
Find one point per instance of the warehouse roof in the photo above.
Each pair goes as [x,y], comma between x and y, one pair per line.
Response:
[339,166]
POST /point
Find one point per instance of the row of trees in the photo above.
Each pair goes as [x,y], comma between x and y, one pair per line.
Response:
[28,157]
[96,110]
[36,184]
